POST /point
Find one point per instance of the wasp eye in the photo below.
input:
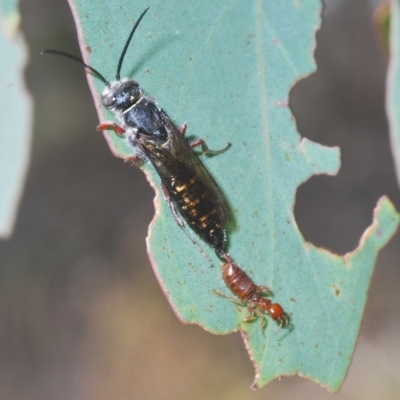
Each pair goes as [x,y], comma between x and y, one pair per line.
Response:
[108,99]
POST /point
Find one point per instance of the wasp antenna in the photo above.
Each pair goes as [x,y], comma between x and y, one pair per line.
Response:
[121,58]
[79,60]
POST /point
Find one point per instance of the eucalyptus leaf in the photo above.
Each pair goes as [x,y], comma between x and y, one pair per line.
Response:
[226,68]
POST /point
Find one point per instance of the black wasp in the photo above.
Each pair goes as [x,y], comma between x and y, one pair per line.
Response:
[189,189]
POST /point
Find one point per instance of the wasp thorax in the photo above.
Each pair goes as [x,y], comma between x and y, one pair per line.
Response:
[121,95]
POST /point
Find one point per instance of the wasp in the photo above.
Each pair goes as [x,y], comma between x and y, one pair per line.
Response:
[190,191]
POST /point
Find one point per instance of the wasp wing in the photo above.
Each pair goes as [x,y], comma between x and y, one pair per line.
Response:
[176,158]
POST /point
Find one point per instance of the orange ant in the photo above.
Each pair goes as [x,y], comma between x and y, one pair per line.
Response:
[250,294]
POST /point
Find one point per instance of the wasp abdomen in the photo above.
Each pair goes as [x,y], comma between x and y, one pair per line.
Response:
[193,201]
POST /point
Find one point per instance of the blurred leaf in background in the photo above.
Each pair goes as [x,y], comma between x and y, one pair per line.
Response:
[393,84]
[15,116]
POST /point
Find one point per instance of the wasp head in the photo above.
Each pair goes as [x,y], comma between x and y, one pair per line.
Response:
[121,95]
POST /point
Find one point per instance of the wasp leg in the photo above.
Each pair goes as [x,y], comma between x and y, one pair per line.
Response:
[134,160]
[182,129]
[181,224]
[202,143]
[205,149]
[109,126]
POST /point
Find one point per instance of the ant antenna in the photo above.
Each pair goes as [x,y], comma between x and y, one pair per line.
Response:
[121,58]
[79,60]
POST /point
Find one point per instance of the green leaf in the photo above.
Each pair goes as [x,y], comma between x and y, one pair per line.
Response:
[15,107]
[227,69]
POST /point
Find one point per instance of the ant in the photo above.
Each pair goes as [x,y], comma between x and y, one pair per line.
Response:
[251,294]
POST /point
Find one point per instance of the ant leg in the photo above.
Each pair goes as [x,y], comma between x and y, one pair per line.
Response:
[232,299]
[205,149]
[254,312]
[181,224]
[264,290]
[284,321]
[279,328]
[250,309]
[110,126]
